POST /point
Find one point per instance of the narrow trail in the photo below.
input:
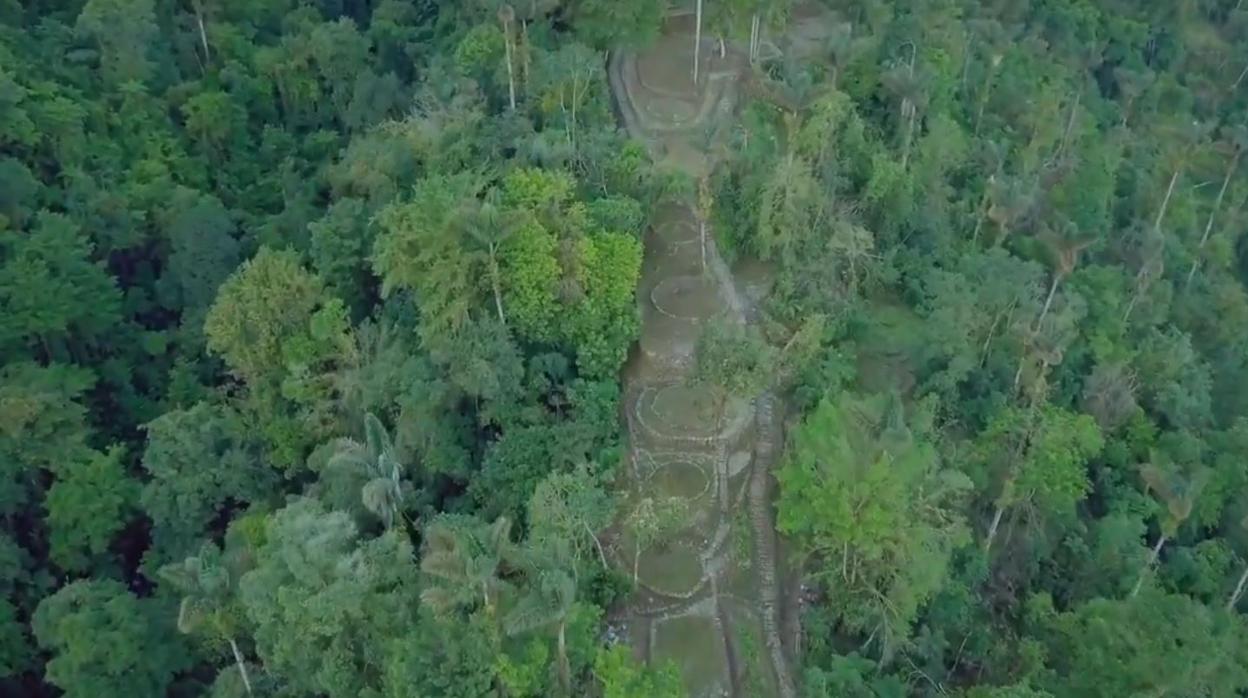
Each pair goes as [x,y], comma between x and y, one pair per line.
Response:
[710,598]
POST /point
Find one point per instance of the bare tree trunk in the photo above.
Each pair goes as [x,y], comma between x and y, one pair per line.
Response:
[983,100]
[242,665]
[1239,590]
[1048,302]
[755,27]
[1235,85]
[1152,560]
[702,235]
[697,41]
[992,530]
[511,74]
[1165,203]
[524,55]
[602,556]
[1161,214]
[565,672]
[636,562]
[983,209]
[1070,124]
[497,287]
[1217,205]
[909,112]
[203,32]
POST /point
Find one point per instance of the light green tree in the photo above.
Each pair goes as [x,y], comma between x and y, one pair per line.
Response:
[1038,456]
[867,497]
[653,519]
[572,507]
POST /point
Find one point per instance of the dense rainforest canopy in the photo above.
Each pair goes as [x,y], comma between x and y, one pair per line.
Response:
[313,312]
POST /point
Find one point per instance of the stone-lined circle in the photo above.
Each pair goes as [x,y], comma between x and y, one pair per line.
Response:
[691,297]
[676,411]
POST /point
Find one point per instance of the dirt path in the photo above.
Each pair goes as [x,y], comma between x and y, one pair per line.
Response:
[709,599]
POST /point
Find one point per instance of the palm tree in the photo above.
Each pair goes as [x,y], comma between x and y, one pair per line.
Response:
[902,81]
[1151,248]
[486,225]
[1131,85]
[843,49]
[208,583]
[376,460]
[996,38]
[1062,242]
[550,599]
[1237,139]
[464,562]
[1179,495]
[1182,141]
[1009,201]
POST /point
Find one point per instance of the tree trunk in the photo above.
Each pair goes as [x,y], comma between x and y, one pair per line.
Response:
[992,530]
[983,210]
[1217,205]
[754,37]
[702,235]
[1165,203]
[1239,590]
[636,561]
[565,671]
[497,287]
[1048,302]
[983,100]
[511,74]
[1161,215]
[1070,124]
[1044,312]
[203,33]
[602,556]
[242,665]
[1235,85]
[697,41]
[1152,560]
[910,111]
[524,55]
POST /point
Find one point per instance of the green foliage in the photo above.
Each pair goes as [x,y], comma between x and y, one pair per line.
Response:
[89,503]
[44,426]
[199,462]
[51,290]
[279,331]
[605,321]
[237,238]
[267,303]
[324,603]
[442,660]
[419,249]
[1040,457]
[1149,643]
[869,498]
[622,676]
[104,641]
[531,275]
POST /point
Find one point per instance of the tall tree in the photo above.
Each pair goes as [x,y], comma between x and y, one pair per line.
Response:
[867,497]
[208,583]
[104,641]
